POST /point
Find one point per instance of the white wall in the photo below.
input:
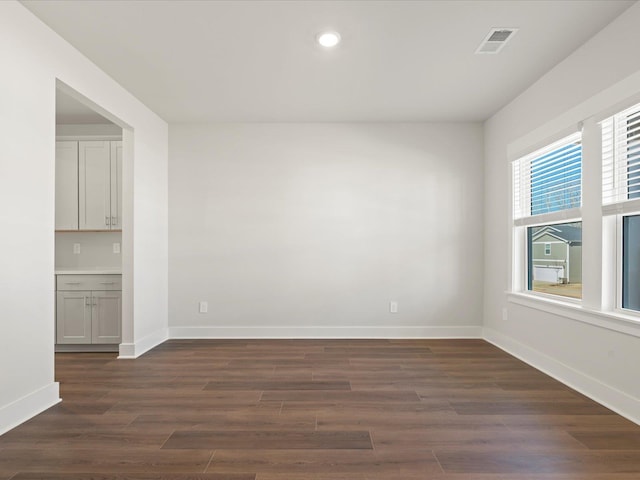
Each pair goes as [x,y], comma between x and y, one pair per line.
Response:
[96,250]
[33,57]
[601,362]
[88,130]
[309,230]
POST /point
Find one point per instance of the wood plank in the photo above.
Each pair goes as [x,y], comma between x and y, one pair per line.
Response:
[136,476]
[523,407]
[340,396]
[407,421]
[400,463]
[270,384]
[105,437]
[570,423]
[513,461]
[227,421]
[102,460]
[365,409]
[259,439]
[476,438]
[608,440]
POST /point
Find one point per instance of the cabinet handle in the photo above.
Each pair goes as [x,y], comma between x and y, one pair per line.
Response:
[107,283]
[106,220]
[72,283]
[87,301]
[114,221]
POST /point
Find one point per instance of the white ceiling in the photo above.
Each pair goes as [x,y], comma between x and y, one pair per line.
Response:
[193,61]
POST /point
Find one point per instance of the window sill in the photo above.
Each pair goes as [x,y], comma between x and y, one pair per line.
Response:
[616,321]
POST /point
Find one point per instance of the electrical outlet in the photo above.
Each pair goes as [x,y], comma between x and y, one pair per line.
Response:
[393,306]
[505,314]
[204,307]
[116,248]
[76,249]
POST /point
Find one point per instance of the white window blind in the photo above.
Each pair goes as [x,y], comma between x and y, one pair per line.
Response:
[621,161]
[547,184]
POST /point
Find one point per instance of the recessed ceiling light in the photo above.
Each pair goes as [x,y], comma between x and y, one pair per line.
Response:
[328,39]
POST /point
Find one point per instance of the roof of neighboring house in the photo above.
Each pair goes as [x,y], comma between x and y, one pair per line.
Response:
[565,232]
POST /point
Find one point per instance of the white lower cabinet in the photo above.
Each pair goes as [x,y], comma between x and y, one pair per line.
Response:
[88,309]
[106,313]
[73,317]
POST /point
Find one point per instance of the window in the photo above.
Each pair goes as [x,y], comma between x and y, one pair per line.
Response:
[547,200]
[621,197]
[557,197]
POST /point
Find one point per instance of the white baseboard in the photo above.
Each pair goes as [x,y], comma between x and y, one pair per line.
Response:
[134,350]
[29,406]
[255,332]
[612,398]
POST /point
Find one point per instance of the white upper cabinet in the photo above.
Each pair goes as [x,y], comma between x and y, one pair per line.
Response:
[66,185]
[89,185]
[116,185]
[94,164]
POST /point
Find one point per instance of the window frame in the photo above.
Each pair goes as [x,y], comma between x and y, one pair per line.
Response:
[619,267]
[616,203]
[521,197]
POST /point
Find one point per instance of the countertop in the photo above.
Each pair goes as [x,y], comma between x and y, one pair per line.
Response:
[88,271]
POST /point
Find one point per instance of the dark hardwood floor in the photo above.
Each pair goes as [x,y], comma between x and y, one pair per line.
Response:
[318,410]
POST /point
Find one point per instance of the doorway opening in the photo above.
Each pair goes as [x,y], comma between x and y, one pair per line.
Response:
[92,231]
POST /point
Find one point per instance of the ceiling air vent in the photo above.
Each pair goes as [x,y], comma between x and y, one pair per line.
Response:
[496,39]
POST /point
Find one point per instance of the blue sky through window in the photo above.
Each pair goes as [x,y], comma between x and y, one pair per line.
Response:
[556,179]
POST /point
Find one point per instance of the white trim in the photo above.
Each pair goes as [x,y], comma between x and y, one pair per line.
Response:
[614,321]
[618,267]
[257,332]
[628,207]
[610,397]
[550,219]
[619,270]
[127,350]
[116,138]
[134,350]
[523,146]
[562,299]
[29,406]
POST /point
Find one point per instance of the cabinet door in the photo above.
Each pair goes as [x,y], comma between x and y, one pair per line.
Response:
[94,159]
[66,185]
[116,185]
[73,317]
[106,317]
